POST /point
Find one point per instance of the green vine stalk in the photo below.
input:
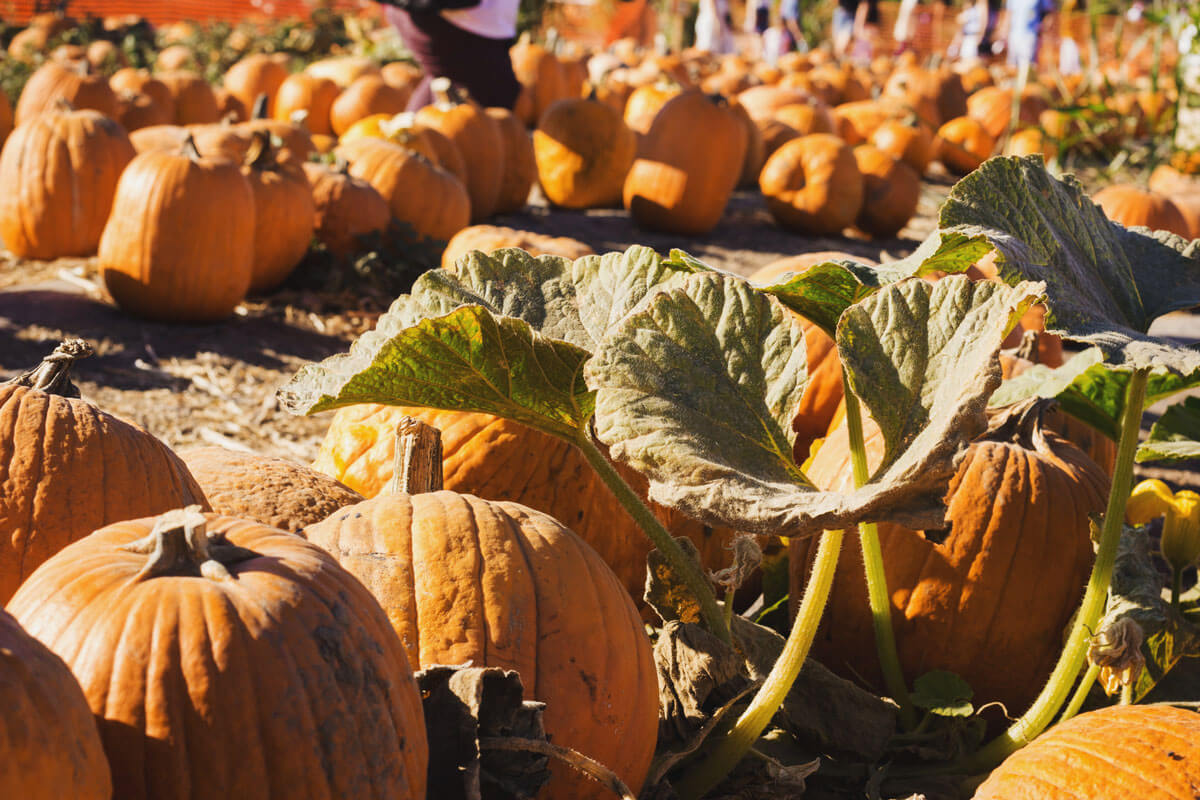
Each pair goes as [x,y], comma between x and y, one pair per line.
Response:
[1081,693]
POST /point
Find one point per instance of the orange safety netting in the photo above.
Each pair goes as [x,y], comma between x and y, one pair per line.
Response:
[166,11]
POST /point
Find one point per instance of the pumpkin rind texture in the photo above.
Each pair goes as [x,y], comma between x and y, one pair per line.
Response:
[813,185]
[283,680]
[1115,753]
[49,744]
[273,491]
[584,149]
[501,585]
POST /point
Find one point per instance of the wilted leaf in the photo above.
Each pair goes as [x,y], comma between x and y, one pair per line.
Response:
[1105,283]
[697,391]
[668,593]
[943,693]
[1176,435]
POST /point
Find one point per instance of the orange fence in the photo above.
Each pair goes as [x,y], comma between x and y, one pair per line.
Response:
[166,11]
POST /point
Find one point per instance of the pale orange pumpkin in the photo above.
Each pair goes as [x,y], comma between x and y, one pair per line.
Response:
[813,185]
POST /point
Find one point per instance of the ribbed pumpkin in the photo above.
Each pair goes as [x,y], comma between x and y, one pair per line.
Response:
[813,185]
[141,81]
[520,168]
[891,191]
[1113,753]
[478,139]
[179,244]
[67,468]
[427,197]
[583,149]
[254,75]
[963,144]
[283,213]
[345,207]
[1131,205]
[488,238]
[645,102]
[368,95]
[541,77]
[682,180]
[305,93]
[54,82]
[911,142]
[273,491]
[224,658]
[999,590]
[500,584]
[49,744]
[59,171]
[195,103]
[503,460]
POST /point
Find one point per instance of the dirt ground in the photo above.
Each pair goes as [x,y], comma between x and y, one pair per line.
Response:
[215,384]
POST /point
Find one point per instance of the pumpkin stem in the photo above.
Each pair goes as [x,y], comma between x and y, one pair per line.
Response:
[588,766]
[1021,423]
[53,375]
[189,148]
[179,545]
[259,153]
[418,465]
[259,109]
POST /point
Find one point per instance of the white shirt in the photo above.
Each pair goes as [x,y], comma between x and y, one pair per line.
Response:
[494,19]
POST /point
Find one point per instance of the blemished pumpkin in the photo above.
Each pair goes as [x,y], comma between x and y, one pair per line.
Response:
[59,171]
[49,744]
[488,238]
[1001,587]
[478,140]
[583,150]
[1132,206]
[225,658]
[53,82]
[68,467]
[499,584]
[681,181]
[1113,753]
[813,185]
[345,207]
[179,244]
[283,213]
[499,459]
[273,491]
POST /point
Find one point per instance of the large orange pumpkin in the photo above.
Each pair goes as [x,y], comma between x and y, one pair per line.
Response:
[520,166]
[308,94]
[254,75]
[195,103]
[502,585]
[224,658]
[998,591]
[891,191]
[345,207]
[488,238]
[963,143]
[283,213]
[59,171]
[1131,205]
[54,82]
[813,185]
[67,468]
[478,139]
[583,150]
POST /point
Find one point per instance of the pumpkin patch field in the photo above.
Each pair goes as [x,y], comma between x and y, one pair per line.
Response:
[704,426]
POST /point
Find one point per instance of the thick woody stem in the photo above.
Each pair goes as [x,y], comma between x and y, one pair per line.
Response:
[417,468]
[53,375]
[180,545]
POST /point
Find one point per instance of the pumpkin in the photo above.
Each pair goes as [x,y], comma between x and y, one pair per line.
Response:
[992,106]
[311,95]
[1112,753]
[891,191]
[503,460]
[59,171]
[68,468]
[53,82]
[680,181]
[402,75]
[583,150]
[478,140]
[813,185]
[1031,141]
[102,55]
[224,658]
[762,102]
[805,118]
[645,102]
[255,75]
[500,584]
[48,741]
[230,108]
[175,57]
[1002,586]
[195,103]
[418,192]
[345,207]
[541,77]
[756,148]
[856,122]
[1131,205]
[911,142]
[136,110]
[368,95]
[963,144]
[1166,179]
[294,138]
[179,243]
[283,213]
[142,82]
[489,238]
[276,492]
[520,167]
[343,70]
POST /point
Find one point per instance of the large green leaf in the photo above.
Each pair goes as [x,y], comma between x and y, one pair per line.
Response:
[1089,389]
[697,390]
[1105,283]
[537,319]
[1176,435]
[468,359]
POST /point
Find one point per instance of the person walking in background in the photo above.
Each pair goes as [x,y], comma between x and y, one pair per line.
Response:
[855,28]
[1024,30]
[463,40]
[789,18]
[755,25]
[903,31]
[713,28]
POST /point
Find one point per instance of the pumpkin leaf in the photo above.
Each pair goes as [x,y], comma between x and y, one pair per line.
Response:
[697,389]
[1089,389]
[1105,284]
[1176,434]
[943,693]
[469,360]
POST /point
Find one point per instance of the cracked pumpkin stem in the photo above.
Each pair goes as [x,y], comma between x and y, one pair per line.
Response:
[1073,655]
[660,537]
[732,746]
[877,591]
